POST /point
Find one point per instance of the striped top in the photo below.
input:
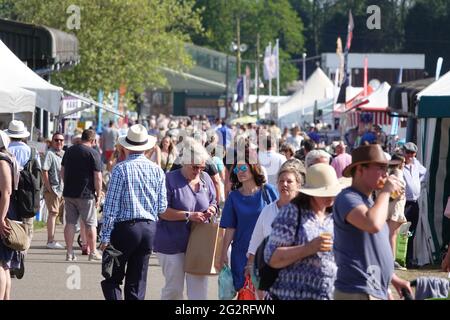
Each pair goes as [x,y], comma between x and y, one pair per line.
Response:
[311,278]
[137,190]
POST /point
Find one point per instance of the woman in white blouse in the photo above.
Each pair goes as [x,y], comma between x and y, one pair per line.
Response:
[288,183]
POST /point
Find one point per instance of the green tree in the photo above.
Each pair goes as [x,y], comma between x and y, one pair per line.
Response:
[427,27]
[270,18]
[120,41]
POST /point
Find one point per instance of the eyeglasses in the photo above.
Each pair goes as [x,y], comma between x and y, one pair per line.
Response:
[243,168]
[198,168]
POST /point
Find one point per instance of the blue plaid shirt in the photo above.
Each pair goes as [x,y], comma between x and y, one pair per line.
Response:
[137,190]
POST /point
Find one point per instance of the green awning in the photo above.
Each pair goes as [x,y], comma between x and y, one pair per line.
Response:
[434,107]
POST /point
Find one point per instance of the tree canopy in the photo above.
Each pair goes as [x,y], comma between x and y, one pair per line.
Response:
[120,41]
[272,19]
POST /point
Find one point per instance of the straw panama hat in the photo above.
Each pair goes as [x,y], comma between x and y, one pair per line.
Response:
[17,129]
[365,154]
[137,139]
[321,181]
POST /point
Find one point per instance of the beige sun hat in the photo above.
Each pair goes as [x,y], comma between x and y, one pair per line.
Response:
[137,139]
[321,181]
[17,129]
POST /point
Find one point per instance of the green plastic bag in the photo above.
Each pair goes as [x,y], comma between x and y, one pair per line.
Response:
[402,244]
[226,286]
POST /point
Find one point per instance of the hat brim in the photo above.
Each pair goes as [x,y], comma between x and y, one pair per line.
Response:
[24,134]
[348,170]
[150,144]
[331,191]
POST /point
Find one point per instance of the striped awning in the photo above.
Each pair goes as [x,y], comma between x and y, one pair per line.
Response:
[378,117]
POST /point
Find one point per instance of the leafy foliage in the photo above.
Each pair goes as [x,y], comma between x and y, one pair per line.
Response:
[120,41]
[270,18]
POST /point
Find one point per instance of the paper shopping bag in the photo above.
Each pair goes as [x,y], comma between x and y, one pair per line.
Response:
[204,249]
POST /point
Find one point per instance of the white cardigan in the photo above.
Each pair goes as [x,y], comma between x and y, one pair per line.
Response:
[263,226]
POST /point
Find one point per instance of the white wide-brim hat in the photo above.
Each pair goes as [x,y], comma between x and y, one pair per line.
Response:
[321,181]
[137,139]
[17,129]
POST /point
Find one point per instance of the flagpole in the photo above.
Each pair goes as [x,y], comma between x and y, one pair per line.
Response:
[366,66]
[257,76]
[304,82]
[270,77]
[278,67]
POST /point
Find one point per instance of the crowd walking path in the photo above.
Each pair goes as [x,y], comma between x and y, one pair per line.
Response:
[49,277]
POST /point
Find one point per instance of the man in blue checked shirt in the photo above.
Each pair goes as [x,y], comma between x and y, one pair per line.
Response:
[135,198]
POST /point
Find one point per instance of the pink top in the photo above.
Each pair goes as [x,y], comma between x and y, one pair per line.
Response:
[340,162]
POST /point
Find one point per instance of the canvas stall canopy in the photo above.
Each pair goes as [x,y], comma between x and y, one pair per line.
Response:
[15,73]
[316,92]
[375,103]
[434,153]
[15,100]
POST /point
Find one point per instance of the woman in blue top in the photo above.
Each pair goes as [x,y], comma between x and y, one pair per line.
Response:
[301,240]
[241,211]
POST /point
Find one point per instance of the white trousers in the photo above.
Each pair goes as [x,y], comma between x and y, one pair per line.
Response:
[172,266]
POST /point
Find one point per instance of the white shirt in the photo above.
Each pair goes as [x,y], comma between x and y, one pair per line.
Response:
[295,141]
[263,226]
[272,161]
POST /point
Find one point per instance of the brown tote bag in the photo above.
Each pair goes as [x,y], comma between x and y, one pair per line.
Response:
[204,249]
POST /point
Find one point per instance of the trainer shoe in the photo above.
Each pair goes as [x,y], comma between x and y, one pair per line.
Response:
[71,257]
[95,256]
[54,245]
[398,266]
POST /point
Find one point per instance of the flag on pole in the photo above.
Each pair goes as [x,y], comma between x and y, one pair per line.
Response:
[341,60]
[342,95]
[247,81]
[269,64]
[240,89]
[276,60]
[350,27]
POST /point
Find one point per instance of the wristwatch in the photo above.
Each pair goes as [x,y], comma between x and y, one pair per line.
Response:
[187,214]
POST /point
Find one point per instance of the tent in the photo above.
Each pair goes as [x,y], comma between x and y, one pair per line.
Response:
[15,100]
[375,103]
[433,231]
[301,104]
[15,73]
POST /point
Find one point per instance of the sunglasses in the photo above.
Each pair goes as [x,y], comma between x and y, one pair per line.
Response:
[58,140]
[410,152]
[243,168]
[198,168]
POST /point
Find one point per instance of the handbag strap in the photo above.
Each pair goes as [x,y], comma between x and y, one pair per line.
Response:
[265,195]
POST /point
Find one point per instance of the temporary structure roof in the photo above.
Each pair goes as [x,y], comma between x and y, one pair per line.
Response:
[15,73]
[15,100]
[376,102]
[434,100]
[316,88]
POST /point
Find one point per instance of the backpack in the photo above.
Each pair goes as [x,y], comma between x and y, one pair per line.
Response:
[28,194]
[267,275]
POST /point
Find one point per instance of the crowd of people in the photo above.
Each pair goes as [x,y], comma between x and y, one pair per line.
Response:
[331,215]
